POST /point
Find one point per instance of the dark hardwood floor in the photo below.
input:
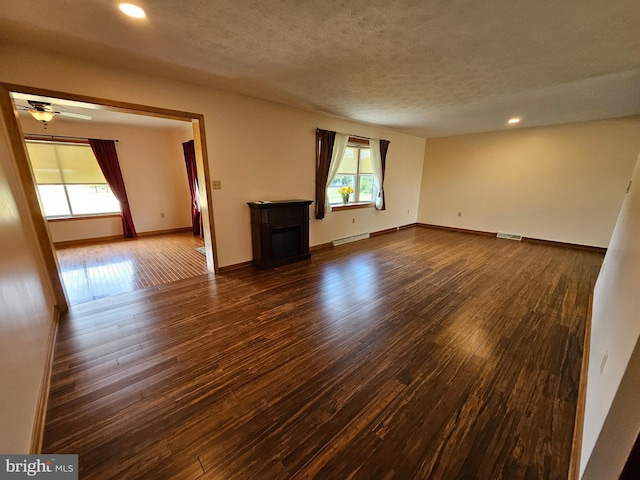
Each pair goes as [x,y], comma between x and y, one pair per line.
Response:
[99,270]
[419,354]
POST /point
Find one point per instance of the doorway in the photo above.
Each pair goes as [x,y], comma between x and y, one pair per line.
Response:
[101,108]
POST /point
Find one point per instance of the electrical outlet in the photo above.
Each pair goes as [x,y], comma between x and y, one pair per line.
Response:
[459,214]
[162,215]
[216,184]
[407,211]
[605,357]
[353,220]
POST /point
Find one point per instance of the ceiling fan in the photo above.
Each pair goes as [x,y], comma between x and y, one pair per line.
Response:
[44,112]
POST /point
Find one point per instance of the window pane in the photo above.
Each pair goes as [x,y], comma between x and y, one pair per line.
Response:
[339,182]
[366,188]
[344,181]
[88,199]
[365,161]
[54,201]
[349,162]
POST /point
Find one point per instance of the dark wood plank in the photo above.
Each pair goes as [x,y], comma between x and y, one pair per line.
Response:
[419,354]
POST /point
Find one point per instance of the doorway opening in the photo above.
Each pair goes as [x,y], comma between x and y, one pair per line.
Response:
[87,251]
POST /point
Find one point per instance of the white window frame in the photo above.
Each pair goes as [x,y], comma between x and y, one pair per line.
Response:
[356,188]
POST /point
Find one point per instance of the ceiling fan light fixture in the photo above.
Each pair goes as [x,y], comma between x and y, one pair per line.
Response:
[42,115]
[132,10]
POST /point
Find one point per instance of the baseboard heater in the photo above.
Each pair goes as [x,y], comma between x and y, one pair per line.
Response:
[509,236]
[354,238]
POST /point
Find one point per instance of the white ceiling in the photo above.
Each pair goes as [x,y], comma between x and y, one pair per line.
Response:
[430,68]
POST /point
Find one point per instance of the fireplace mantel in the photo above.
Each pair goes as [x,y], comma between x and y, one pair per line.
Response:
[279,232]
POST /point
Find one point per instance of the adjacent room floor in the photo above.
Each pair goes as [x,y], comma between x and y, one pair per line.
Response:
[418,354]
[104,269]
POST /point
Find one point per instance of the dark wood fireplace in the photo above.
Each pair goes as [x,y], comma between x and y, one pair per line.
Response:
[279,232]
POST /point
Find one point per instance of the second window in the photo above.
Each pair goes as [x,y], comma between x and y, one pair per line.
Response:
[354,171]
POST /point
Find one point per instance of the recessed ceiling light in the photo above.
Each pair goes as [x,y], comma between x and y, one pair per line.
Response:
[132,10]
[514,120]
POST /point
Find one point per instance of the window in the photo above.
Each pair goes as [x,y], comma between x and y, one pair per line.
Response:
[69,180]
[354,171]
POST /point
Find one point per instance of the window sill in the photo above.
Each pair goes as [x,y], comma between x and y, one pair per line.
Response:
[83,217]
[351,206]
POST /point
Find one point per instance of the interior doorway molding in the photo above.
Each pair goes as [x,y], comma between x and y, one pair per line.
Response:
[39,222]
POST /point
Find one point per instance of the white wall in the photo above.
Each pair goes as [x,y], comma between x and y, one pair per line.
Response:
[26,311]
[153,170]
[620,428]
[85,229]
[563,183]
[614,333]
[258,149]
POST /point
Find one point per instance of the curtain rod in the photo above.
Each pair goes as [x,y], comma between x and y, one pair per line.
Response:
[54,137]
[356,136]
[350,134]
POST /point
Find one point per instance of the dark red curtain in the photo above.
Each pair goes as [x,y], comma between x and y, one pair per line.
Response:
[384,146]
[105,152]
[324,148]
[192,173]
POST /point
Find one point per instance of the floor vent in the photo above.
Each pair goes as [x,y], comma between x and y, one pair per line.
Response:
[509,236]
[354,238]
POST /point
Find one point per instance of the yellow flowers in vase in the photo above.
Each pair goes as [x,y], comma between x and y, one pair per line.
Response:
[345,192]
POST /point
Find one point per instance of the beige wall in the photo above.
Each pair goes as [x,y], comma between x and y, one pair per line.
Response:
[563,183]
[26,311]
[614,334]
[153,170]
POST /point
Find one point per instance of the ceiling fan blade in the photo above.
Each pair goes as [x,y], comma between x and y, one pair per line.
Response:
[75,115]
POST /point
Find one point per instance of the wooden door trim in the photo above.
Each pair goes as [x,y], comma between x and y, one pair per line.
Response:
[578,427]
[202,165]
[43,238]
[17,145]
[114,105]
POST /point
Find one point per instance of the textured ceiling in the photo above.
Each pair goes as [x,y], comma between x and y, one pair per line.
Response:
[430,68]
